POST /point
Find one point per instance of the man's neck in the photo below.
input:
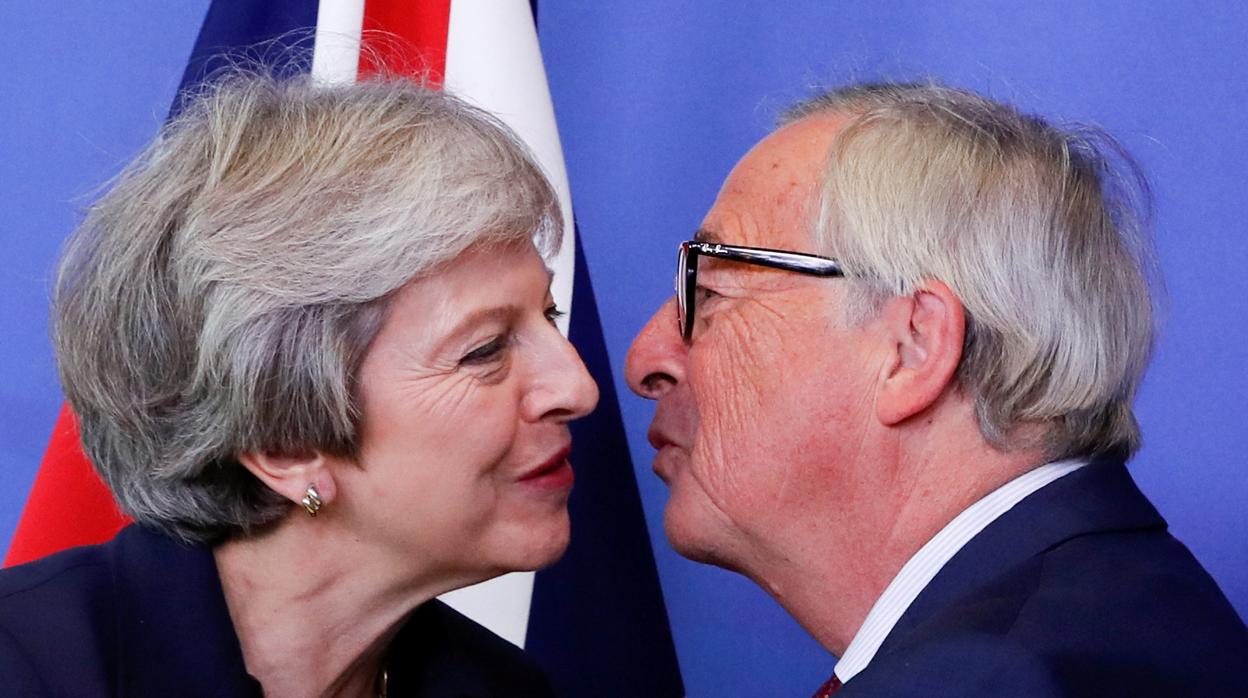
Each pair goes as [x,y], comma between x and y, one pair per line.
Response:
[831,575]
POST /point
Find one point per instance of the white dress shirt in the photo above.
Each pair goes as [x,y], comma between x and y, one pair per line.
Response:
[923,566]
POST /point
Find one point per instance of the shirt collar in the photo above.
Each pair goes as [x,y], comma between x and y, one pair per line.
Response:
[919,570]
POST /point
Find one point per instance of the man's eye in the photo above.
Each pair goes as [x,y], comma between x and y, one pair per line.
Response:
[553,313]
[486,353]
[702,294]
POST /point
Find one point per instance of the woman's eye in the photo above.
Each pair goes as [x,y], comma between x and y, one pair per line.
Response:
[553,313]
[486,353]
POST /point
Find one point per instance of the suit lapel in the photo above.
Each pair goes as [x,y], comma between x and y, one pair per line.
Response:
[174,628]
[1098,498]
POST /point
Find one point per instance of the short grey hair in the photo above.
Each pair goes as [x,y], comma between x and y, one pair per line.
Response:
[1041,231]
[221,296]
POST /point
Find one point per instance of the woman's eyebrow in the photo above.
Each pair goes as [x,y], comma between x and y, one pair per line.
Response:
[465,324]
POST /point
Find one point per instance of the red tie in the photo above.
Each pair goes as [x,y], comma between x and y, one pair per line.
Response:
[828,688]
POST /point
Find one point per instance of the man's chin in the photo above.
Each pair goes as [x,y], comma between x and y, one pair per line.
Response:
[692,539]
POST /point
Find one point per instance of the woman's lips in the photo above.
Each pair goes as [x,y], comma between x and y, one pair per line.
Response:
[554,474]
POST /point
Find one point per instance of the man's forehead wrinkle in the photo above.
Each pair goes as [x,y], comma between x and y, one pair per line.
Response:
[740,221]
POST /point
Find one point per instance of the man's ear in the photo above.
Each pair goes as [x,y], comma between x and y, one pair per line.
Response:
[925,331]
[290,474]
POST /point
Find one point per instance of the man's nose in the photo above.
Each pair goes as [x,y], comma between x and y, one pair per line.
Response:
[656,360]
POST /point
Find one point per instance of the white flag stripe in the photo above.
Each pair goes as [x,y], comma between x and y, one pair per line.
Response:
[336,50]
[500,604]
[493,61]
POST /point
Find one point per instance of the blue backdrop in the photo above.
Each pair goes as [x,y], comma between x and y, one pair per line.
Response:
[656,101]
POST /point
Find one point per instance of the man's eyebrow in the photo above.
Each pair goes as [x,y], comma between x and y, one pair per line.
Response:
[704,235]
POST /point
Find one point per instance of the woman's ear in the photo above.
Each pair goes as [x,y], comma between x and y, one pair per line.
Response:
[290,474]
[925,331]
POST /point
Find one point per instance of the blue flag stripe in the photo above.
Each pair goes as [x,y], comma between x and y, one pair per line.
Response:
[598,623]
[267,32]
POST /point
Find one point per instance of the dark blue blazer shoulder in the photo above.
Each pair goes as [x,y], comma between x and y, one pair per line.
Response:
[144,615]
[1079,590]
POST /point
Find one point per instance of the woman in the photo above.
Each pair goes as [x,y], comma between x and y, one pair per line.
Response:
[309,338]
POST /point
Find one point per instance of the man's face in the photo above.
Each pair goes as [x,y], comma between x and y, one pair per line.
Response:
[761,416]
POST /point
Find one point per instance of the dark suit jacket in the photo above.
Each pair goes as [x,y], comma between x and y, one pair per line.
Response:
[1076,591]
[145,616]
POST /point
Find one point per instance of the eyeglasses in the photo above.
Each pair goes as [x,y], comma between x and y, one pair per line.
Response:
[687,270]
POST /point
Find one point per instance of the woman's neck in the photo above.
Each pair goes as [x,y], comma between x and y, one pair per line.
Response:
[314,608]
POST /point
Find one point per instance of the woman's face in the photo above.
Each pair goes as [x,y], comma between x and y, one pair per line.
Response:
[467,392]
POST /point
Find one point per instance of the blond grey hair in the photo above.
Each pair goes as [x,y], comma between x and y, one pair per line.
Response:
[220,297]
[1040,231]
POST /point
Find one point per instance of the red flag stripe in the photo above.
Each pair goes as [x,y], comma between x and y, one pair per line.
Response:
[406,38]
[68,505]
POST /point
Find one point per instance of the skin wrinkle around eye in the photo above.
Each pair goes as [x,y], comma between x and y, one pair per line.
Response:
[741,401]
[429,376]
[755,286]
[757,333]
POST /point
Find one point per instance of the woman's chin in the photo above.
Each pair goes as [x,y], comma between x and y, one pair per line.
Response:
[540,545]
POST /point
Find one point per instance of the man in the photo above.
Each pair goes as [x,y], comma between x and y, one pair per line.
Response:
[907,417]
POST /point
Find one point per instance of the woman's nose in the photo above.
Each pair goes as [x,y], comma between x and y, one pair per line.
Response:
[565,390]
[656,360]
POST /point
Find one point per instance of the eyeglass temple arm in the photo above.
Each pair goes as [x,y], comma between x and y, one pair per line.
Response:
[777,259]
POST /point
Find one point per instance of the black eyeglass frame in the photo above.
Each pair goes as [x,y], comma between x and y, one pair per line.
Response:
[687,270]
